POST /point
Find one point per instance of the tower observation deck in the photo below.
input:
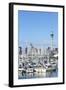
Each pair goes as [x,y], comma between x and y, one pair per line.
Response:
[52,38]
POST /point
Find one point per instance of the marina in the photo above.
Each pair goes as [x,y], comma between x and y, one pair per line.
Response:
[33,66]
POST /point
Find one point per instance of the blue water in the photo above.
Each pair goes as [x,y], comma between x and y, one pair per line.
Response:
[39,75]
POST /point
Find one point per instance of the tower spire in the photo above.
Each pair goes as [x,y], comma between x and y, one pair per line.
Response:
[52,37]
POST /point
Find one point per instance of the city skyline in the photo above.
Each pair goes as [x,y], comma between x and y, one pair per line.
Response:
[35,27]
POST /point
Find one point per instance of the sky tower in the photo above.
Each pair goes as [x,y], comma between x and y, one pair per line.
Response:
[52,37]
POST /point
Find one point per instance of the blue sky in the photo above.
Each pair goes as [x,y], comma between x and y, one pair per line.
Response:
[35,27]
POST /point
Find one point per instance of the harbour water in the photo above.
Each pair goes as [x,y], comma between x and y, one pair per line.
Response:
[47,74]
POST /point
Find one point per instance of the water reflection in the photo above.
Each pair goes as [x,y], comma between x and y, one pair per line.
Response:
[38,74]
